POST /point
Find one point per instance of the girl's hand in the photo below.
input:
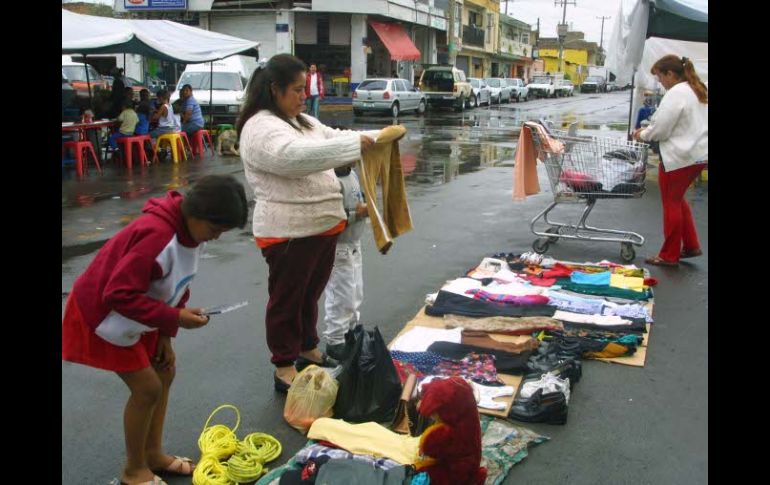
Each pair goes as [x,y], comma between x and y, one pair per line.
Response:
[361,211]
[190,318]
[165,358]
[636,134]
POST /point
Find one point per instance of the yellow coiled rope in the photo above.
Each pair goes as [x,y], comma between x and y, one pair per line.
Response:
[246,458]
[256,449]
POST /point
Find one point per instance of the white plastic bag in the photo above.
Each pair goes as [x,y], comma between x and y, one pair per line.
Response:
[311,396]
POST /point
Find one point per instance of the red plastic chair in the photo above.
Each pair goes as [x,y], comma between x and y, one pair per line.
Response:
[186,143]
[82,150]
[128,144]
[198,148]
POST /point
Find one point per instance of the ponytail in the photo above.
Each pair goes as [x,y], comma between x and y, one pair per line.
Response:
[685,70]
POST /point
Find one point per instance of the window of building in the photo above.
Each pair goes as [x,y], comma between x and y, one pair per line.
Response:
[490,26]
[525,38]
[474,19]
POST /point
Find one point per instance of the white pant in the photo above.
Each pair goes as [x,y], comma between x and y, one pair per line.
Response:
[344,293]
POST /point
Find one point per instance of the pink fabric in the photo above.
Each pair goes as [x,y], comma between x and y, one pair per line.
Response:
[525,181]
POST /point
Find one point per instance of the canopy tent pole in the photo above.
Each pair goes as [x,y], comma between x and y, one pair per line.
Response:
[211,97]
[631,106]
[88,82]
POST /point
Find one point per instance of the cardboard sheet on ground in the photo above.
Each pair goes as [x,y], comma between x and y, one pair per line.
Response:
[421,319]
[640,356]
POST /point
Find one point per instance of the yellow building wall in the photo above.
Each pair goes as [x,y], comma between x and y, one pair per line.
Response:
[572,58]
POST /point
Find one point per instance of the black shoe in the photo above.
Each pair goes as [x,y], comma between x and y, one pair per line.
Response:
[337,351]
[280,384]
[549,408]
[561,366]
[326,361]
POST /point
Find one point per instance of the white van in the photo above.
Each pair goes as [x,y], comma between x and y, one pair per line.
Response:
[231,75]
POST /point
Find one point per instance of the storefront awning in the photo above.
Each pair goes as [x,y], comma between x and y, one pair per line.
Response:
[397,41]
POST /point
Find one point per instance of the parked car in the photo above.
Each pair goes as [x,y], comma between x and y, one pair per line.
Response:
[445,86]
[594,84]
[75,73]
[519,90]
[137,86]
[499,89]
[567,88]
[481,93]
[546,85]
[611,87]
[155,84]
[391,95]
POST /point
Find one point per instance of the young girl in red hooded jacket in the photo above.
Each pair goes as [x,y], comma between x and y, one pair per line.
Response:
[130,301]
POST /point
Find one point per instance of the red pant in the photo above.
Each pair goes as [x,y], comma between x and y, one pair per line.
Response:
[678,227]
[299,270]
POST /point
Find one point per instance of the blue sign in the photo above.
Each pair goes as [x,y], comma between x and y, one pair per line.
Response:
[155,4]
[281,27]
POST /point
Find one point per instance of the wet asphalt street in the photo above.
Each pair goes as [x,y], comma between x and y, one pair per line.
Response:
[626,425]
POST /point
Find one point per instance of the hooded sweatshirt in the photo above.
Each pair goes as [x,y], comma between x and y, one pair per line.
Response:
[140,279]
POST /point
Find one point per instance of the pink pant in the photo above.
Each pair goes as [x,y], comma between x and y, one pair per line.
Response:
[678,227]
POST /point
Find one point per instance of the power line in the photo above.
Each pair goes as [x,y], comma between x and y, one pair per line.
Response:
[562,27]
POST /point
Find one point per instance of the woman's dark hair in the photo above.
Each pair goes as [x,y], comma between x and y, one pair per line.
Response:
[281,70]
[219,199]
[684,69]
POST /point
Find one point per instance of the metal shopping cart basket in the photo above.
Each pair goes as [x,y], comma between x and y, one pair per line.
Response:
[584,170]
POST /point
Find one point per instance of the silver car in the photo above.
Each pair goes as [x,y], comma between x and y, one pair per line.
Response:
[481,93]
[499,89]
[389,95]
[519,90]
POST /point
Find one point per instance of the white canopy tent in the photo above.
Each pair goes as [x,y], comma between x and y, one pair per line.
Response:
[635,44]
[160,39]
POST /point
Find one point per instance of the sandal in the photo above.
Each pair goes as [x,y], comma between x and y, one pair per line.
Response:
[280,384]
[691,253]
[180,466]
[658,261]
[326,361]
[156,480]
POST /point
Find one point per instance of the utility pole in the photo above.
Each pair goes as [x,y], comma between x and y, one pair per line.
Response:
[452,35]
[562,28]
[601,41]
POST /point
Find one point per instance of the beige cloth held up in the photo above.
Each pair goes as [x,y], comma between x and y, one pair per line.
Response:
[383,163]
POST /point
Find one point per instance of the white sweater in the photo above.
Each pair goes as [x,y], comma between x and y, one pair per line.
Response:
[681,125]
[296,192]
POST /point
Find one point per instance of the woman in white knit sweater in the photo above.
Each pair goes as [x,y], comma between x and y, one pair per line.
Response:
[681,126]
[289,159]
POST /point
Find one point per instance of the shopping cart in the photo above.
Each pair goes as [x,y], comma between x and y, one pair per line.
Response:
[585,169]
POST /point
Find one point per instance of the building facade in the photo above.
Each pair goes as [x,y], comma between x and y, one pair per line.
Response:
[476,31]
[514,56]
[578,55]
[348,41]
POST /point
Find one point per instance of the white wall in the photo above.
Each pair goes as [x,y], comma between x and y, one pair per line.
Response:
[259,27]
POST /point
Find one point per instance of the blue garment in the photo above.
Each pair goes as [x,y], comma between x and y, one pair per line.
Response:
[191,104]
[422,361]
[575,304]
[113,141]
[644,114]
[143,127]
[600,279]
[313,108]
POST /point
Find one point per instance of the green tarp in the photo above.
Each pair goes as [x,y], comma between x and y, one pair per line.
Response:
[671,19]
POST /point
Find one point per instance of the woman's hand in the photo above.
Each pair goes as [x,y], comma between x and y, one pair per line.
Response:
[366,143]
[164,359]
[636,136]
[190,318]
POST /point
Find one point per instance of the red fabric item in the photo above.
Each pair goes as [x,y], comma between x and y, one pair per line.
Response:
[678,226]
[579,181]
[264,242]
[298,272]
[404,369]
[541,281]
[397,41]
[328,444]
[650,281]
[121,273]
[319,82]
[82,346]
[453,446]
[557,271]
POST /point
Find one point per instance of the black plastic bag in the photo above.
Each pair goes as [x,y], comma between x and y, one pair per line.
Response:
[369,385]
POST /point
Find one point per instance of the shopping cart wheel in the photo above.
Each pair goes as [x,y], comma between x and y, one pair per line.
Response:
[552,230]
[627,252]
[541,245]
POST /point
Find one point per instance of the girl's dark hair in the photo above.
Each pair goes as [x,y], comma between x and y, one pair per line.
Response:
[281,70]
[219,199]
[684,69]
